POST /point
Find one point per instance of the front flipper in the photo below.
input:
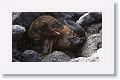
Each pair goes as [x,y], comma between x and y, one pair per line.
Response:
[47,46]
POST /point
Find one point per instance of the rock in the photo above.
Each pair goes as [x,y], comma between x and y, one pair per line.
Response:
[15,15]
[26,18]
[100,45]
[61,16]
[30,56]
[16,54]
[90,18]
[17,32]
[94,29]
[14,60]
[56,56]
[76,15]
[17,29]
[94,58]
[91,45]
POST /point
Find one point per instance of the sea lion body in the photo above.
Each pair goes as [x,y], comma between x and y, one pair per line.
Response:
[50,34]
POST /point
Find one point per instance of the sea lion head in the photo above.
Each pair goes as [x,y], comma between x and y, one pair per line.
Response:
[45,26]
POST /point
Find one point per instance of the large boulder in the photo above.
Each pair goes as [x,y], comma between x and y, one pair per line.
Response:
[56,56]
[90,18]
[29,56]
[61,16]
[91,45]
[17,32]
[26,18]
[94,58]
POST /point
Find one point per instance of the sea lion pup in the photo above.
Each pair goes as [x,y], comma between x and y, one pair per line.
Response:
[49,34]
[43,31]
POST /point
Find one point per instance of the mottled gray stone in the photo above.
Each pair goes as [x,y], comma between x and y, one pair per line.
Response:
[94,58]
[17,29]
[30,56]
[91,45]
[56,56]
[15,15]
[94,29]
[26,18]
[17,32]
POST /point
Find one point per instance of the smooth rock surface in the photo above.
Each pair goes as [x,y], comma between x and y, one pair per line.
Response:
[90,18]
[25,19]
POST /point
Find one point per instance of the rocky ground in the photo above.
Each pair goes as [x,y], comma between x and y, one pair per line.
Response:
[90,49]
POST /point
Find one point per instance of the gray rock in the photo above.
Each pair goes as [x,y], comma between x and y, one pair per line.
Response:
[16,54]
[90,18]
[26,18]
[91,45]
[14,60]
[17,32]
[30,56]
[61,16]
[56,56]
[94,58]
[15,15]
[18,29]
[94,29]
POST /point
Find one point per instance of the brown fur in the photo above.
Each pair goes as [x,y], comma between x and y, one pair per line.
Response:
[44,27]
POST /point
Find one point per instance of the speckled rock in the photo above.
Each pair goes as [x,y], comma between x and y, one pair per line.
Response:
[16,55]
[91,45]
[17,32]
[17,29]
[56,56]
[94,58]
[30,56]
[15,15]
[94,29]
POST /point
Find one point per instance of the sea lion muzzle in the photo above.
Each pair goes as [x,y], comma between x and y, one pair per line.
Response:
[76,40]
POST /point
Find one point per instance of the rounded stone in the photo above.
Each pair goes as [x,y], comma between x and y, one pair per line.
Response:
[56,56]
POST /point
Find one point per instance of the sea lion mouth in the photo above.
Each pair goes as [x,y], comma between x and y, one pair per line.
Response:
[57,32]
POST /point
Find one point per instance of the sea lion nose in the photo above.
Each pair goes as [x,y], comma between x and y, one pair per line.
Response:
[74,40]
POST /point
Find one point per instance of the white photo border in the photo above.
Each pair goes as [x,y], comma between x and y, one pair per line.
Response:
[106,66]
